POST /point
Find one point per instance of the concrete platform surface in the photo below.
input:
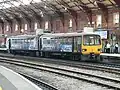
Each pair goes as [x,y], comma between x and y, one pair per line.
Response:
[10,80]
[0,88]
[110,54]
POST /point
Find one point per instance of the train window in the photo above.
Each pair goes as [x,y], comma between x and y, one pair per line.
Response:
[77,43]
[79,40]
[91,40]
[66,40]
[52,41]
[25,41]
[28,40]
[46,41]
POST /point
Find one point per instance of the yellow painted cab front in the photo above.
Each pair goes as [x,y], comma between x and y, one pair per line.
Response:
[91,45]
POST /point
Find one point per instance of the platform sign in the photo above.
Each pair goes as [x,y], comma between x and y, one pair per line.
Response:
[88,29]
[103,34]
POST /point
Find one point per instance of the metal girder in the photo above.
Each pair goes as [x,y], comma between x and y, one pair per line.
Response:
[6,1]
[57,11]
[15,16]
[88,13]
[8,20]
[3,14]
[51,24]
[112,3]
[2,25]
[25,15]
[61,15]
[21,12]
[35,14]
[72,12]
[117,2]
[1,21]
[40,9]
[85,9]
[104,10]
[38,17]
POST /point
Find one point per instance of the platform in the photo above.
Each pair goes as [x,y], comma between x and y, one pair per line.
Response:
[110,54]
[0,88]
[10,80]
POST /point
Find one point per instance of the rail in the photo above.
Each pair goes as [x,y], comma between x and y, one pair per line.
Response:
[68,73]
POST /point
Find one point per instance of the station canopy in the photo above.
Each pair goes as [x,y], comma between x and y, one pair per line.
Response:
[17,9]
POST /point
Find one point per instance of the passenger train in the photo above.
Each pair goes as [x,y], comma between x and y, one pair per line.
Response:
[75,46]
[3,47]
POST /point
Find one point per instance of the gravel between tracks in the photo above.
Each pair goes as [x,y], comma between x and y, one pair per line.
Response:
[93,72]
[61,82]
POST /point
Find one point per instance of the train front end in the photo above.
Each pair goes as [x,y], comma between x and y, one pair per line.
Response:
[91,47]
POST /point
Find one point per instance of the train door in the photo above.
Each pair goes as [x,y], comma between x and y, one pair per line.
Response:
[77,43]
[8,44]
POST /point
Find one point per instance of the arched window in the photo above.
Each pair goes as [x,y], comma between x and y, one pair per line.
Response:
[7,28]
[16,27]
[25,26]
[46,25]
[115,18]
[99,20]
[35,27]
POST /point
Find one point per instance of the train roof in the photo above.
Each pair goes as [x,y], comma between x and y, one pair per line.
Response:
[22,36]
[67,34]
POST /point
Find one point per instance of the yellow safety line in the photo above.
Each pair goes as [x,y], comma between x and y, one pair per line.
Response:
[0,88]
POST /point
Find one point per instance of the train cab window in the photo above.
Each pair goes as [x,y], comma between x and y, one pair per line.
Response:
[97,40]
[91,40]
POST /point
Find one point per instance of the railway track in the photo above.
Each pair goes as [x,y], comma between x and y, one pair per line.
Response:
[94,79]
[43,85]
[111,68]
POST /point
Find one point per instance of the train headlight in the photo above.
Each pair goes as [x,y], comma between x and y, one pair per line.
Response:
[84,50]
[99,49]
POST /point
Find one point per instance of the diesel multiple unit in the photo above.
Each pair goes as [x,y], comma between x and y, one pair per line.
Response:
[76,46]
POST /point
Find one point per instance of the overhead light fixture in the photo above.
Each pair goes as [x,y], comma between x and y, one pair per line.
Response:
[42,15]
[95,3]
[45,6]
[65,8]
[41,12]
[20,15]
[22,30]
[2,18]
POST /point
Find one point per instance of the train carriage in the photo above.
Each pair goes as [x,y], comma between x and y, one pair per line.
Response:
[3,47]
[23,44]
[83,46]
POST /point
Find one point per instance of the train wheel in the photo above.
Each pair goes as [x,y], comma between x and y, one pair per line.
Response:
[99,58]
[72,57]
[81,58]
[75,57]
[42,54]
[37,53]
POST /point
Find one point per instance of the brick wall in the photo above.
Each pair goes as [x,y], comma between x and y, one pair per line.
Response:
[56,25]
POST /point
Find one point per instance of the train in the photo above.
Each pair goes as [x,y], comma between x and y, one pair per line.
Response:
[75,46]
[3,47]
